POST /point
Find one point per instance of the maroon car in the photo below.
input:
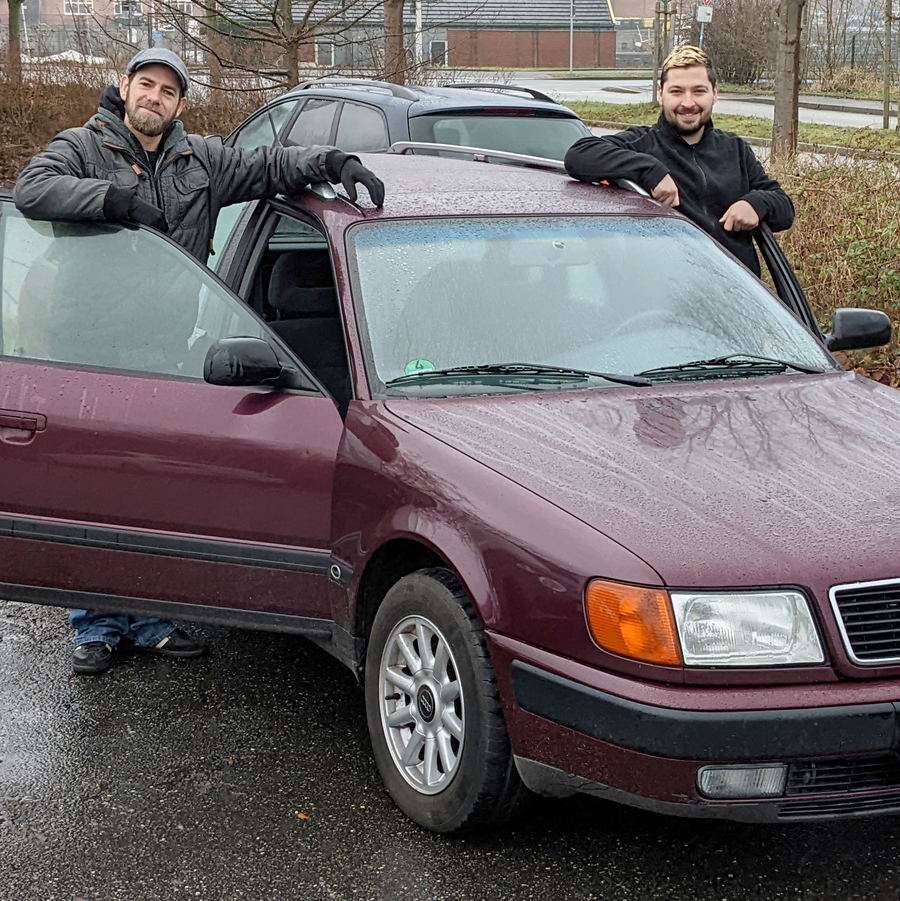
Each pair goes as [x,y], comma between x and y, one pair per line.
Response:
[583,504]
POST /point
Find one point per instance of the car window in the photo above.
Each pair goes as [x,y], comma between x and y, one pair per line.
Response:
[314,124]
[361,128]
[545,136]
[607,294]
[108,297]
[259,132]
[263,130]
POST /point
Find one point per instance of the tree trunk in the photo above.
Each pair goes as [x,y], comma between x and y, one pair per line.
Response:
[15,40]
[787,78]
[394,44]
[290,42]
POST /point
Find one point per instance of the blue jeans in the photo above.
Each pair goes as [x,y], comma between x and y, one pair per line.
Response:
[144,631]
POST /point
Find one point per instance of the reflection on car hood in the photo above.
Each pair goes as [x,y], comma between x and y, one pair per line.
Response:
[783,481]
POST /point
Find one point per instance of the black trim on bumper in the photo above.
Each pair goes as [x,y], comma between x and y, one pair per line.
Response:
[705,735]
[213,551]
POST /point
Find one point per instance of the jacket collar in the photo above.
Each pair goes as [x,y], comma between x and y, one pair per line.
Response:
[673,134]
[111,124]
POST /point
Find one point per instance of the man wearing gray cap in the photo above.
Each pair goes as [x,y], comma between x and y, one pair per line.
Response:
[134,162]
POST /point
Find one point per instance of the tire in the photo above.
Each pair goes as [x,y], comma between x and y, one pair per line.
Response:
[435,719]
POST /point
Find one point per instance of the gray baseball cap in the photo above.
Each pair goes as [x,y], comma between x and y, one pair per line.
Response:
[161,57]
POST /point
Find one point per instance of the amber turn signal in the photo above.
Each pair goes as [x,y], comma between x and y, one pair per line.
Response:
[633,622]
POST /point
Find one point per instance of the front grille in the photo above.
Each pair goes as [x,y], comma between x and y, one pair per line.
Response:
[814,808]
[861,774]
[869,617]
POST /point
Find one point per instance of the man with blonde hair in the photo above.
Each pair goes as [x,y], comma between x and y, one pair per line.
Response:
[684,161]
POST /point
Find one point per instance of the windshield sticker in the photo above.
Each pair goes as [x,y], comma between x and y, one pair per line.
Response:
[414,366]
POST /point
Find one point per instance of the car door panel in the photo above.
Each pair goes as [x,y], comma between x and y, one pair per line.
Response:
[123,473]
[242,474]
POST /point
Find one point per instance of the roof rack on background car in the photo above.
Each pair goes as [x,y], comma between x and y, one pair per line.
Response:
[505,89]
[479,154]
[482,155]
[396,89]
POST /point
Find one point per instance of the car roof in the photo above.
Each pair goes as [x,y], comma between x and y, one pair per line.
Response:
[421,185]
[421,100]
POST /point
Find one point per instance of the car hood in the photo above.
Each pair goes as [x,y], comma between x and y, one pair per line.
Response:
[782,480]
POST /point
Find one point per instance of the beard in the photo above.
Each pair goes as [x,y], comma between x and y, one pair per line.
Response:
[146,122]
[698,125]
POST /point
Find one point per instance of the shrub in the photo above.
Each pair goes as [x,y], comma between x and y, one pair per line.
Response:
[845,245]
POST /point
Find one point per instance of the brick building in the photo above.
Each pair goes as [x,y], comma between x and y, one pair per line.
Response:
[520,33]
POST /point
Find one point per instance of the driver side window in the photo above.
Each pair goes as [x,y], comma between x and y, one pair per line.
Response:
[107,297]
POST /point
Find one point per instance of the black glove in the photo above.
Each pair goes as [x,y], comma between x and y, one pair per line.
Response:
[349,171]
[123,204]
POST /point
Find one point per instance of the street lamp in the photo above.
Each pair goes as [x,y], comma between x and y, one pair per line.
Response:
[571,35]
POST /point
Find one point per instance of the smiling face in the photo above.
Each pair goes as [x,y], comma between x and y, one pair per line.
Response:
[153,101]
[687,97]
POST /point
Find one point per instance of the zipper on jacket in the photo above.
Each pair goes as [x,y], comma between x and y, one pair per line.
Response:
[702,172]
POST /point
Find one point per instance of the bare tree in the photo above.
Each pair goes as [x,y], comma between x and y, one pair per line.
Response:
[787,78]
[741,38]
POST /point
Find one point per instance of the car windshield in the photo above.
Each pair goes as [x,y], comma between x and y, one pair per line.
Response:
[515,132]
[614,295]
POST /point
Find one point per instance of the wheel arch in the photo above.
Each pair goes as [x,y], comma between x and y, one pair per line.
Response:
[404,554]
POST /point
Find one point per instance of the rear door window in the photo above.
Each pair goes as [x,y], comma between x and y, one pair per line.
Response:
[315,123]
[361,128]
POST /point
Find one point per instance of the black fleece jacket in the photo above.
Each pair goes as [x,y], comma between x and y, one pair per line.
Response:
[711,175]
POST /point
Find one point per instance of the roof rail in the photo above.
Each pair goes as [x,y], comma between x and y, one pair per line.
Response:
[504,89]
[395,89]
[480,154]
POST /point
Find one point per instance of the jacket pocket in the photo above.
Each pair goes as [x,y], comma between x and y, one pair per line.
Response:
[189,192]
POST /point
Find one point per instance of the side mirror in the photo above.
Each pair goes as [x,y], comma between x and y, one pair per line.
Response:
[241,361]
[855,329]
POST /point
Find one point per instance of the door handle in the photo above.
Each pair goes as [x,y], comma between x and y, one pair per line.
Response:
[20,427]
[17,419]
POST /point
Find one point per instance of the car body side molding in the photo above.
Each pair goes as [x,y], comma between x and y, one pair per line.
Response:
[212,550]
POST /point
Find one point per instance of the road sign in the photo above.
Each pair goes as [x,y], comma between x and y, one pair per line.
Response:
[704,14]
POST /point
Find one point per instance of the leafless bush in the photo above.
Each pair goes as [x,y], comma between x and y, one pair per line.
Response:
[845,244]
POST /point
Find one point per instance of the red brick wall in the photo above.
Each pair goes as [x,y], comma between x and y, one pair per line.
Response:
[541,49]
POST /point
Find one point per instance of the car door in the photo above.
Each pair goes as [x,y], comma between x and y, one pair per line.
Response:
[128,482]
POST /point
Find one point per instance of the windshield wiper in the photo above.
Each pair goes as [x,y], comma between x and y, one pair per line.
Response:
[515,369]
[730,364]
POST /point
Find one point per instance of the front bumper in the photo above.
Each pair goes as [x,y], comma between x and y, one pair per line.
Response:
[569,737]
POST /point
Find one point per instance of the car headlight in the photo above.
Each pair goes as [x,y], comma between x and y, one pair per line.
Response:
[754,628]
[722,628]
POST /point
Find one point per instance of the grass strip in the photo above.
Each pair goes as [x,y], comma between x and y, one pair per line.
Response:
[871,139]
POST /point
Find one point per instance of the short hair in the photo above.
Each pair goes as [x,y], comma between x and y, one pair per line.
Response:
[684,57]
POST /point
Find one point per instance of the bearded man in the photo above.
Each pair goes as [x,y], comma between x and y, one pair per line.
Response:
[684,161]
[134,162]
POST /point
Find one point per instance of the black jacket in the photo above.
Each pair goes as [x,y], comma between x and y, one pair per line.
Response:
[193,179]
[711,175]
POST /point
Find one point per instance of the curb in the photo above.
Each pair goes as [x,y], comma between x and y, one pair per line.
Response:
[767,142]
[815,104]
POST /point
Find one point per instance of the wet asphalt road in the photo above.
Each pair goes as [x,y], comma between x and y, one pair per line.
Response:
[247,774]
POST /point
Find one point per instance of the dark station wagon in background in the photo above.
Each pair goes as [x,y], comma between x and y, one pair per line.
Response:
[583,504]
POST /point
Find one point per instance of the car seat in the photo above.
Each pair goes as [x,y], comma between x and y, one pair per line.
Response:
[302,292]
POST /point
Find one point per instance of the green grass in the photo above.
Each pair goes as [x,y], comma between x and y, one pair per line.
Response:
[872,139]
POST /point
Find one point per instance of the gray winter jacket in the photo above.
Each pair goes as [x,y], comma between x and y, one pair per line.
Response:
[193,179]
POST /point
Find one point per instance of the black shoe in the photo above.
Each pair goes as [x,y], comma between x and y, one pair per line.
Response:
[92,658]
[177,644]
